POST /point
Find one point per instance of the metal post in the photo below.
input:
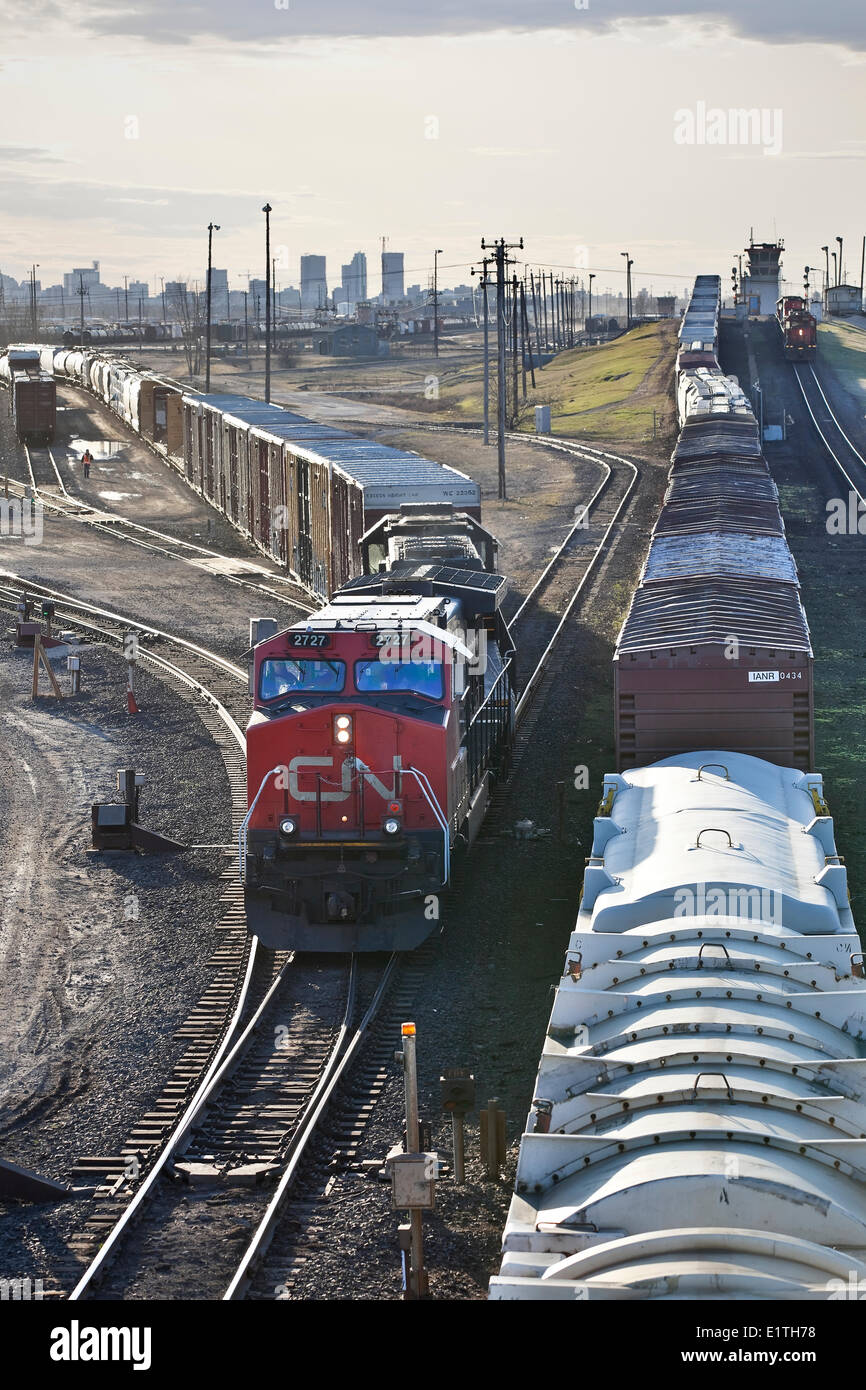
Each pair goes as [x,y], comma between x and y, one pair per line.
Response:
[486,355]
[212,227]
[500,344]
[267,210]
[459,1147]
[416,1281]
[436,255]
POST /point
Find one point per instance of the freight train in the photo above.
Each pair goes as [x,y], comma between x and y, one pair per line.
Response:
[304,493]
[798,329]
[32,394]
[698,1120]
[382,722]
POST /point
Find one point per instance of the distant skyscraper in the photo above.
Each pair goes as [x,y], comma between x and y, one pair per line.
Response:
[355,279]
[314,282]
[88,276]
[392,275]
[219,294]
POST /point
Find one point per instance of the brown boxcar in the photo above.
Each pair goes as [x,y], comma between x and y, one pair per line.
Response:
[305,492]
[33,401]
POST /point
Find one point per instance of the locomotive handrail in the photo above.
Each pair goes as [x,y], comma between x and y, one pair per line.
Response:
[430,796]
[721,765]
[242,832]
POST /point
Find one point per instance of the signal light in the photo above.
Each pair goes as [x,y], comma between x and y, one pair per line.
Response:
[288,826]
[343,728]
[395,808]
[391,827]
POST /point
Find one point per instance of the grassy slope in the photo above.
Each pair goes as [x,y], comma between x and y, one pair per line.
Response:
[608,392]
[844,350]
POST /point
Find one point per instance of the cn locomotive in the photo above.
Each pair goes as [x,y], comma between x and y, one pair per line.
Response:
[798,329]
[380,725]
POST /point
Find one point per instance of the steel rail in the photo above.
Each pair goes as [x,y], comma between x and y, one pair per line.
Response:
[146,629]
[830,450]
[529,689]
[336,1068]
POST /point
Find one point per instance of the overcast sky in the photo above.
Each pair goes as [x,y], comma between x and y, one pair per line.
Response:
[588,131]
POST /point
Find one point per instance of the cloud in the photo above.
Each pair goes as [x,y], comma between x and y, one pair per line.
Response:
[167,21]
[27,154]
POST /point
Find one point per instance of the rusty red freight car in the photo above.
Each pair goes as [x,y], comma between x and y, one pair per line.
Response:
[723,662]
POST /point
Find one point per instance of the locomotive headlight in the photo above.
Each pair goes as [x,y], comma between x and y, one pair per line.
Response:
[391,826]
[289,826]
[343,728]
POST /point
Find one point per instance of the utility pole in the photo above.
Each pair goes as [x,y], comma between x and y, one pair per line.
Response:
[544,310]
[589,315]
[839,280]
[628,265]
[126,298]
[246,325]
[514,349]
[500,256]
[267,210]
[485,263]
[211,228]
[162,283]
[527,340]
[34,317]
[436,255]
[536,317]
[862,267]
[81,293]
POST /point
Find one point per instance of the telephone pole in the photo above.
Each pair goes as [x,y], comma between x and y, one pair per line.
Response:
[436,255]
[211,228]
[81,292]
[484,282]
[501,258]
[267,210]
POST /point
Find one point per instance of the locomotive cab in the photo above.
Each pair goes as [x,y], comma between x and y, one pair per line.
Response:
[378,726]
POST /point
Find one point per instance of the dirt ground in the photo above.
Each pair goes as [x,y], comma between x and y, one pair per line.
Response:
[101,956]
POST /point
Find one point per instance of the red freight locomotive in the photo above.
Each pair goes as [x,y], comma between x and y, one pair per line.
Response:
[379,726]
[798,329]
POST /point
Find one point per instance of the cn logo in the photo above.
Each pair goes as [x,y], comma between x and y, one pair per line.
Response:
[305,764]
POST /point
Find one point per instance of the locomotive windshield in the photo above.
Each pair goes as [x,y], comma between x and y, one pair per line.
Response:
[314,675]
[407,677]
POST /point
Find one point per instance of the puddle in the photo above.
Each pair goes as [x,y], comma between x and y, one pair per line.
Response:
[117,496]
[99,448]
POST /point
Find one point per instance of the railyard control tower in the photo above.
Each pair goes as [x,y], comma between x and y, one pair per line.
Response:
[761,283]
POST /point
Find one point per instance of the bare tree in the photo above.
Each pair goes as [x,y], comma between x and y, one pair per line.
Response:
[186,307]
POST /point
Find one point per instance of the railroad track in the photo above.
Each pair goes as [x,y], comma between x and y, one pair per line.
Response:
[250,1107]
[848,459]
[46,484]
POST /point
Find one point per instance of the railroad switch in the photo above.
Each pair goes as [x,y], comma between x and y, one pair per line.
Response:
[115,824]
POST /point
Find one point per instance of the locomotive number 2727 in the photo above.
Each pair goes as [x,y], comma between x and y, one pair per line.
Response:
[310,639]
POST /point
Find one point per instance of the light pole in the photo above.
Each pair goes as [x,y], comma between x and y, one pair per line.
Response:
[826,251]
[835,269]
[589,316]
[267,210]
[839,279]
[436,255]
[211,228]
[628,265]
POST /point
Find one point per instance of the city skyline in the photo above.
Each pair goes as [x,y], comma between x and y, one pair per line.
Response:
[424,146]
